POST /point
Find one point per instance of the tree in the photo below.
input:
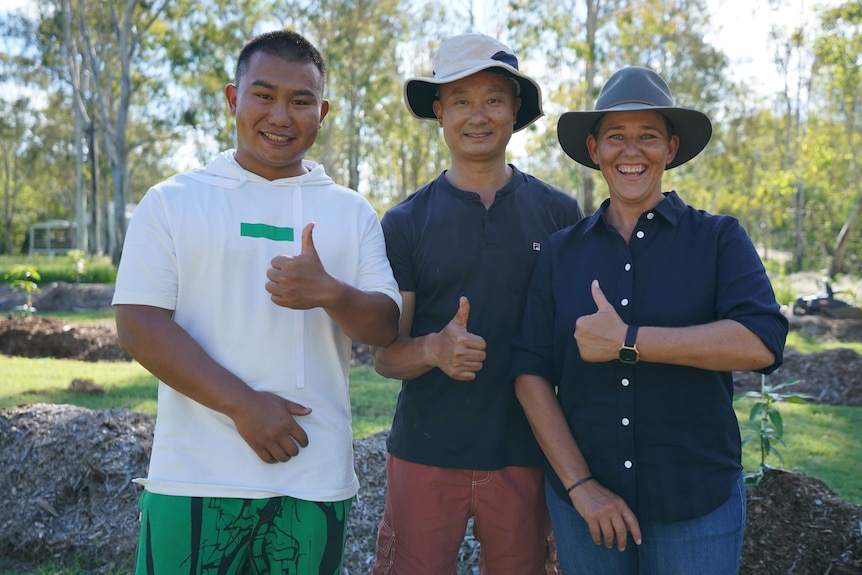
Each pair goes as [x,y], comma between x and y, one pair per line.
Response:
[839,53]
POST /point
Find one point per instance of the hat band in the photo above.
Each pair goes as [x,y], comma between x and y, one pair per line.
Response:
[506,58]
[623,102]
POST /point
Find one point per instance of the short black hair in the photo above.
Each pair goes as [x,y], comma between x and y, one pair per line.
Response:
[285,44]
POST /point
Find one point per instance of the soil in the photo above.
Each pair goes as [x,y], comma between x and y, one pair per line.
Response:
[65,472]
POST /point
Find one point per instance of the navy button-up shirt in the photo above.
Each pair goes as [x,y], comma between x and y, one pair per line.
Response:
[663,437]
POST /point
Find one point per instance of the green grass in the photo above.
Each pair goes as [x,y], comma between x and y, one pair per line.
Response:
[804,343]
[80,316]
[46,380]
[821,441]
[130,386]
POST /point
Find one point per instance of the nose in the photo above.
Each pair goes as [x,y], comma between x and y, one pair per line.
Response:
[478,113]
[280,116]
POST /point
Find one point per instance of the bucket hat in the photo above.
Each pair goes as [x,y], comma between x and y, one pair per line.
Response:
[635,88]
[462,56]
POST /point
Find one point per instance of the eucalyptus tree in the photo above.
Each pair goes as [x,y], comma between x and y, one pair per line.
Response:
[202,39]
[838,50]
[573,38]
[13,126]
[358,40]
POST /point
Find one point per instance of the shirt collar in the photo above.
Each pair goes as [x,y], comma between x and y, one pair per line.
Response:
[671,209]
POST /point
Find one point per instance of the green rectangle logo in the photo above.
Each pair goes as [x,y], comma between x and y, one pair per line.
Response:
[266,231]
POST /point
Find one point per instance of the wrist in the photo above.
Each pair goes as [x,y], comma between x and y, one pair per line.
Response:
[628,350]
[578,483]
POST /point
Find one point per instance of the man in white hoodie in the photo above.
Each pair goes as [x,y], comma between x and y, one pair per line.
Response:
[240,287]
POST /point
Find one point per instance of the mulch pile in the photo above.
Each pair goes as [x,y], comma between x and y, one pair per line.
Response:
[67,496]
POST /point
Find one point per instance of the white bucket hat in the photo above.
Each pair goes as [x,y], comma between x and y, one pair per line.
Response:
[462,56]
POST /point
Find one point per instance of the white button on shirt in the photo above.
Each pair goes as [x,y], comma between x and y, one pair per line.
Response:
[640,234]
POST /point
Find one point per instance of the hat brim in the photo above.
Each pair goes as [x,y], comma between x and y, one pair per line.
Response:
[693,128]
[420,93]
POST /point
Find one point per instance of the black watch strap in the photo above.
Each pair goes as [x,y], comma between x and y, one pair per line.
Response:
[631,336]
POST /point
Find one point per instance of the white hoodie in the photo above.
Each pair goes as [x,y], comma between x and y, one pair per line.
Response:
[200,243]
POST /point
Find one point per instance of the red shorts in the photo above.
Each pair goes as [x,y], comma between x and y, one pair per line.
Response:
[427,510]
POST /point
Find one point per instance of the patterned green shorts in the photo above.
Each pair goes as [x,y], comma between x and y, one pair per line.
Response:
[213,535]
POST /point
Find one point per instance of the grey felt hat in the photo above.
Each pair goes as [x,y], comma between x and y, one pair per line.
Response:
[462,56]
[635,88]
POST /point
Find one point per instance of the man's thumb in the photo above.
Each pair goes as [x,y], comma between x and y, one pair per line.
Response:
[463,311]
[307,238]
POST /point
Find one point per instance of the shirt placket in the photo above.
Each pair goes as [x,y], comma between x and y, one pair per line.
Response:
[626,440]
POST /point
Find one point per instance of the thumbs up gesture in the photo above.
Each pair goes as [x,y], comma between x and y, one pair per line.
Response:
[456,351]
[600,335]
[301,282]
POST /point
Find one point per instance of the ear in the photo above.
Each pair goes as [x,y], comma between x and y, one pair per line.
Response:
[438,109]
[672,148]
[592,148]
[324,109]
[230,96]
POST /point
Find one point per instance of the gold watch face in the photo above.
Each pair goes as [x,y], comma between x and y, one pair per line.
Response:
[628,355]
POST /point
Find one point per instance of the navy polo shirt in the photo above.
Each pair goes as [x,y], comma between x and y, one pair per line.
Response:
[663,437]
[443,244]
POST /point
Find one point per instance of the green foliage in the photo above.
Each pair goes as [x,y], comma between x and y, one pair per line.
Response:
[767,423]
[78,264]
[24,278]
[98,270]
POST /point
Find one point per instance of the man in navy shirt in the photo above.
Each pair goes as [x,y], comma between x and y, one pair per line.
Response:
[463,249]
[635,319]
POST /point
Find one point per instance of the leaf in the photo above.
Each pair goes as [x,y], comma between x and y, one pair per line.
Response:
[756,410]
[777,421]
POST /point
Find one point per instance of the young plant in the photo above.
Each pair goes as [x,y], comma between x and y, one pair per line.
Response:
[767,423]
[24,278]
[78,261]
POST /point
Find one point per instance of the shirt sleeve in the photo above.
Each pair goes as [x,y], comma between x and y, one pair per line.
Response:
[745,293]
[533,345]
[147,274]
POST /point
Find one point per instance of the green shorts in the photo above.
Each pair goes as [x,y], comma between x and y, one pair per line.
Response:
[201,535]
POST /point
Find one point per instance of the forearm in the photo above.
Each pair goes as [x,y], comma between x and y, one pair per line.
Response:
[405,358]
[550,428]
[167,351]
[724,345]
[366,317]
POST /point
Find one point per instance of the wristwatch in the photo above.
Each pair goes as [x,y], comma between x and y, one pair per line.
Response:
[629,351]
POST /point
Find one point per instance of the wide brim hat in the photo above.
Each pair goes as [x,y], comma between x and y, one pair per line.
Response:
[462,56]
[635,88]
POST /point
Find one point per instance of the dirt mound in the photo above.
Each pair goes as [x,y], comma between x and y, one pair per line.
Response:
[832,377]
[798,525]
[65,483]
[39,336]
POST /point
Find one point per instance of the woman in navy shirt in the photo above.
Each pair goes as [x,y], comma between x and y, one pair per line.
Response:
[635,319]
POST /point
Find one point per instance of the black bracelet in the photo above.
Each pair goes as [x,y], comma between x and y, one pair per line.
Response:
[577,483]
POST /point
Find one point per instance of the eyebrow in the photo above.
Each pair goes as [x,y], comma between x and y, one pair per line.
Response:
[268,86]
